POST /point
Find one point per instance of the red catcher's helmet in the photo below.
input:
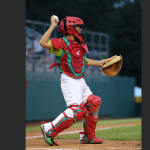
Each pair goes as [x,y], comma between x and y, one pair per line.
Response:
[67,26]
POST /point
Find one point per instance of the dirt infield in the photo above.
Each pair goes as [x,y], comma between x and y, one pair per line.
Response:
[35,141]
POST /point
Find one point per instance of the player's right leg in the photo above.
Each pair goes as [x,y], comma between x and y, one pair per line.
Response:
[62,122]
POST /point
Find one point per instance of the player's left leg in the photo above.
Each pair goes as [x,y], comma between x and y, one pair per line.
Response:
[90,121]
[92,104]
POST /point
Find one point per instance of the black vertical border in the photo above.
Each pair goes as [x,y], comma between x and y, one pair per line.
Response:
[12,48]
[145,74]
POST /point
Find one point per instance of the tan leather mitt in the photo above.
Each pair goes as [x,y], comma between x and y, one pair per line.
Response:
[113,67]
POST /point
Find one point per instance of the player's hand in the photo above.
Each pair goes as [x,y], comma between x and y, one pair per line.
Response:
[102,62]
[54,21]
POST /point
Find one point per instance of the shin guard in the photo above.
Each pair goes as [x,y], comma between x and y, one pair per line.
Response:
[89,124]
[65,120]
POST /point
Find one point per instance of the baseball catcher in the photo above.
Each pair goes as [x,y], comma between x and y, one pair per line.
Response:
[81,102]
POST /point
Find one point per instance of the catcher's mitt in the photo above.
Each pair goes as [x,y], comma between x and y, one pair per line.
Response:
[113,67]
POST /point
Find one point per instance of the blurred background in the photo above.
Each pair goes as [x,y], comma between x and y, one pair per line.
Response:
[112,27]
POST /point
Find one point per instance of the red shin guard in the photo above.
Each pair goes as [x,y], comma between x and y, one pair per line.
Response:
[67,120]
[62,125]
[90,125]
[93,106]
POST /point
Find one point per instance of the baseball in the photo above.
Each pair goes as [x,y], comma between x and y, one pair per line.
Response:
[56,18]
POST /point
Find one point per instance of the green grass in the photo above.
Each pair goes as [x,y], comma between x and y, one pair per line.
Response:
[114,121]
[121,133]
[32,128]
[100,122]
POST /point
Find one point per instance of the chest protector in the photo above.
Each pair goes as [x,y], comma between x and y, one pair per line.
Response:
[72,59]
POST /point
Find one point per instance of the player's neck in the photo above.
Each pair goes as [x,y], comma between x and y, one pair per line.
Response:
[70,37]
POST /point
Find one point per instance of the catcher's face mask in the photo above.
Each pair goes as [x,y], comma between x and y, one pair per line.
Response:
[72,25]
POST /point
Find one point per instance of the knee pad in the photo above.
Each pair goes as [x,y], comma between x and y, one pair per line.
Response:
[93,103]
